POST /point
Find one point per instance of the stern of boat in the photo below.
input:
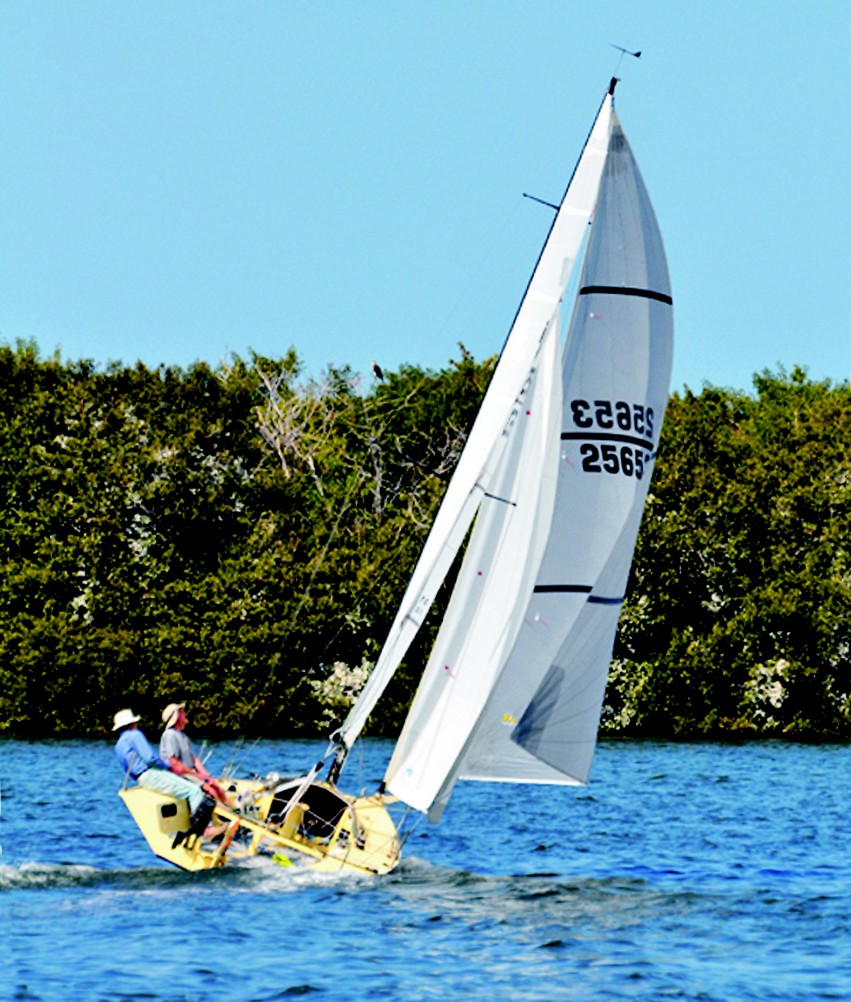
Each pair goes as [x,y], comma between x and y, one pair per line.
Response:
[160,817]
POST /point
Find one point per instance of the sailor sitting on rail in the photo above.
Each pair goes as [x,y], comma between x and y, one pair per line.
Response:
[140,762]
[177,750]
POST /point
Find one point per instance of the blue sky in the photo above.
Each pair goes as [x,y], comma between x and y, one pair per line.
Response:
[183,181]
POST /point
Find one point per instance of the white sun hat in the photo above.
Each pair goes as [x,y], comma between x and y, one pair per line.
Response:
[170,714]
[123,719]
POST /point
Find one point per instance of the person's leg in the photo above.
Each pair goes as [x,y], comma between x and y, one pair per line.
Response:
[177,786]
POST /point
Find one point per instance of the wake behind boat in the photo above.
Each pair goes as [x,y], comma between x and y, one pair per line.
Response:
[552,480]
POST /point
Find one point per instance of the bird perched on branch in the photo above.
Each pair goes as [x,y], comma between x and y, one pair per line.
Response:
[376,370]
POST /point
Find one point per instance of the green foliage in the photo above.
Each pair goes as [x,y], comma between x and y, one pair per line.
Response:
[738,618]
[240,537]
[160,542]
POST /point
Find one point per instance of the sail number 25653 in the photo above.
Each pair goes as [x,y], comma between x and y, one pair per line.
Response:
[609,416]
[622,436]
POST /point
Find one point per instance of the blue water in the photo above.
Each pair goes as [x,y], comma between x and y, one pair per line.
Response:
[709,872]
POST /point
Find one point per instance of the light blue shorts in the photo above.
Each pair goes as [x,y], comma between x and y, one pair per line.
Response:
[177,786]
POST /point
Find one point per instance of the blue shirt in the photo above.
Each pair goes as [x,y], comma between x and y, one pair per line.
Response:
[135,755]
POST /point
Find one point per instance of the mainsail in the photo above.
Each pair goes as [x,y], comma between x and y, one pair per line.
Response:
[555,472]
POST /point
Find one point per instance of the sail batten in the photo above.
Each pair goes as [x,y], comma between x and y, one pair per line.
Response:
[614,290]
[603,436]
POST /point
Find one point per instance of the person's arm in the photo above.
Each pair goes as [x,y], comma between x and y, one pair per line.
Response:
[200,769]
[177,766]
[196,769]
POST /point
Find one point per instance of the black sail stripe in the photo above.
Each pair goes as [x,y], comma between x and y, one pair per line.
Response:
[577,589]
[602,436]
[620,290]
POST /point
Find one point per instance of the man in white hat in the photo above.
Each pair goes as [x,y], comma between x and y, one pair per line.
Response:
[177,750]
[140,762]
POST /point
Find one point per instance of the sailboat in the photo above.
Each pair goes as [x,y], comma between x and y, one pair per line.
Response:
[546,502]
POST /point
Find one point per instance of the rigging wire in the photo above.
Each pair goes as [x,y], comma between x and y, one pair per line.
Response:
[476,271]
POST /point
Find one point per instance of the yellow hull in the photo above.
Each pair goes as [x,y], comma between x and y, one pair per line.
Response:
[327,831]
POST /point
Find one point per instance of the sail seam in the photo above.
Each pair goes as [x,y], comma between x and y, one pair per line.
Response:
[618,290]
[600,436]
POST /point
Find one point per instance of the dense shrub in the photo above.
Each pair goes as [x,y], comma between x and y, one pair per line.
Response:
[239,538]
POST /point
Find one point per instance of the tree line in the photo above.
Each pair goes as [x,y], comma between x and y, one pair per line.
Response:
[238,537]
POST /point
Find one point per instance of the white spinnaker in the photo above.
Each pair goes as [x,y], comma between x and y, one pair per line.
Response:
[476,467]
[539,722]
[498,571]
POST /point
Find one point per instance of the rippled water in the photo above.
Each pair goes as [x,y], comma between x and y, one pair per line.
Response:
[711,872]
